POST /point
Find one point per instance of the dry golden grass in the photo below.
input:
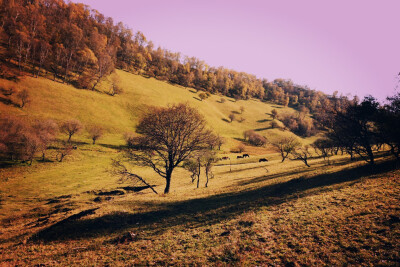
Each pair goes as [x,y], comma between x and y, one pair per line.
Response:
[251,214]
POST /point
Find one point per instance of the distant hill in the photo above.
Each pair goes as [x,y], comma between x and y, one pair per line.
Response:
[80,46]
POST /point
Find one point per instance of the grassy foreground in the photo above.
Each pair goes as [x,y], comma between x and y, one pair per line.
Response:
[336,215]
[77,213]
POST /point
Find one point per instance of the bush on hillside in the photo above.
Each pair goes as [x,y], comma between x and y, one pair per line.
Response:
[299,125]
[20,140]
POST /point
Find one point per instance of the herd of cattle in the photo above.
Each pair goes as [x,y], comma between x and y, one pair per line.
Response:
[244,156]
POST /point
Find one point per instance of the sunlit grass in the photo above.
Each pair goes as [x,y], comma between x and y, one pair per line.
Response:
[251,214]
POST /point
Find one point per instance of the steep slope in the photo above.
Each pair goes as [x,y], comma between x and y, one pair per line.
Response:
[118,114]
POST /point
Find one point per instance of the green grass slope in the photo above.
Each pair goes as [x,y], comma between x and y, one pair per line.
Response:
[118,114]
[78,213]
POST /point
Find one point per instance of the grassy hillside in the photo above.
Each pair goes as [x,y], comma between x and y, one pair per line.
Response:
[118,114]
[78,213]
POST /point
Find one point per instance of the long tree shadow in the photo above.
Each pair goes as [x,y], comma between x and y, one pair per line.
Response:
[199,212]
[8,101]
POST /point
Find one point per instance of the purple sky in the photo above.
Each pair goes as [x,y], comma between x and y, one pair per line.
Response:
[352,46]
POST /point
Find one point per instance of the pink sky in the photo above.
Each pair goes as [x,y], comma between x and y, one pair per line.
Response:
[347,45]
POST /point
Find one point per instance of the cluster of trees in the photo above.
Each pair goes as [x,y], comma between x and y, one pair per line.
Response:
[285,92]
[81,46]
[299,123]
[205,159]
[76,44]
[362,128]
[21,140]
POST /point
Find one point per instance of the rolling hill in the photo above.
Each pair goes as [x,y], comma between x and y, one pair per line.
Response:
[78,212]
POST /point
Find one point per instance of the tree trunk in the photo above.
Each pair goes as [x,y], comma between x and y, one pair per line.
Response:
[198,175]
[167,186]
[370,155]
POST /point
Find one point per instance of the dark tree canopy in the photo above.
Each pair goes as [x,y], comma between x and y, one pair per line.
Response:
[354,128]
[168,136]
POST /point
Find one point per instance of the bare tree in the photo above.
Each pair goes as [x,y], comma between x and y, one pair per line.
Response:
[120,169]
[302,154]
[71,127]
[324,148]
[285,146]
[168,137]
[204,159]
[31,145]
[12,130]
[24,97]
[46,131]
[209,161]
[220,141]
[95,133]
[194,167]
[63,151]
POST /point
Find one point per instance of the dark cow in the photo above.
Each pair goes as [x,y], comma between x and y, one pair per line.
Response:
[225,158]
[246,156]
[239,157]
[262,160]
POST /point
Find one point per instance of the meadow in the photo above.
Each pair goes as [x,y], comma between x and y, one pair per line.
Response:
[78,212]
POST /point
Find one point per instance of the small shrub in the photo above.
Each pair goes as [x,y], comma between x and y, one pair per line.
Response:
[274,114]
[238,149]
[232,117]
[254,138]
[24,97]
[257,140]
[274,125]
[203,96]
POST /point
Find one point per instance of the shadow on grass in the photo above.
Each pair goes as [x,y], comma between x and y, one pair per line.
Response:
[264,120]
[199,212]
[226,120]
[9,102]
[262,129]
[117,147]
[8,164]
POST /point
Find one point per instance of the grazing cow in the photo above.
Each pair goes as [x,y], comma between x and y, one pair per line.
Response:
[239,157]
[246,156]
[263,160]
[225,158]
[75,147]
